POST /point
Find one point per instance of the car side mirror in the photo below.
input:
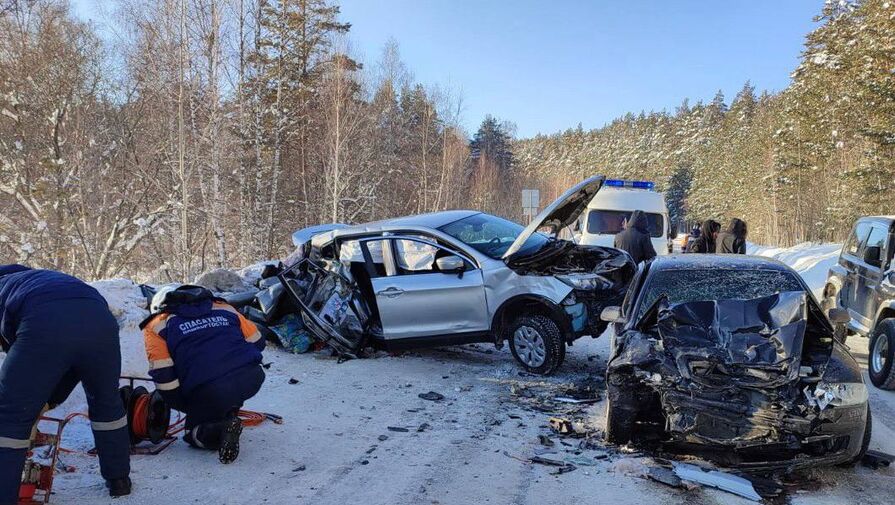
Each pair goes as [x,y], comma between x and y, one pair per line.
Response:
[672,231]
[451,264]
[872,256]
[838,315]
[612,314]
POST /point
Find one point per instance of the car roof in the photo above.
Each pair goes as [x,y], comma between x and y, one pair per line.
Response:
[716,261]
[431,220]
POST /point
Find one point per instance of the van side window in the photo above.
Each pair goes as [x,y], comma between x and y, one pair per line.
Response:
[857,238]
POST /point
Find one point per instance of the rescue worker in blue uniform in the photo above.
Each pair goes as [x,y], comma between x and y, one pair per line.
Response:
[57,331]
[205,358]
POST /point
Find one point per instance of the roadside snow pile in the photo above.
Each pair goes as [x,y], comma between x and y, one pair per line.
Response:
[128,305]
[221,280]
[812,261]
[252,273]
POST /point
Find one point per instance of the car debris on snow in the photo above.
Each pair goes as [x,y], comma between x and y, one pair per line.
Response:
[566,427]
[664,475]
[565,399]
[432,396]
[876,459]
[716,479]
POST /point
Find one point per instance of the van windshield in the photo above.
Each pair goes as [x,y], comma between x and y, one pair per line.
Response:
[610,222]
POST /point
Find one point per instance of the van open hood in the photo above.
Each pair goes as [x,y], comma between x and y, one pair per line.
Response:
[561,213]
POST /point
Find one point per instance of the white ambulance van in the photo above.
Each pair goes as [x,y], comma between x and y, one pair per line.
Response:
[610,209]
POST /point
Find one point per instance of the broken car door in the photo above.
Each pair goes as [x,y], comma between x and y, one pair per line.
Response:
[433,291]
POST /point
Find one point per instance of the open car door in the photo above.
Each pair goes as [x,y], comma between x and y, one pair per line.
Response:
[331,306]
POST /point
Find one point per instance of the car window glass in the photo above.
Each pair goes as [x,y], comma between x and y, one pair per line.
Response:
[877,238]
[350,251]
[857,238]
[491,235]
[700,285]
[413,256]
[610,222]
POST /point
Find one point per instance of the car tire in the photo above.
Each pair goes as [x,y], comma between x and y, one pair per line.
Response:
[537,344]
[620,418]
[865,442]
[881,355]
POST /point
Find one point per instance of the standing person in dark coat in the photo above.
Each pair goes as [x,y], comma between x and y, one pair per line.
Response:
[635,238]
[705,243]
[57,331]
[733,240]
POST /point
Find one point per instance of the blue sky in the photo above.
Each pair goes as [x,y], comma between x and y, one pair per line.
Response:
[549,65]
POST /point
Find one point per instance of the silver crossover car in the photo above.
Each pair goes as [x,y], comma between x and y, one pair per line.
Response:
[458,277]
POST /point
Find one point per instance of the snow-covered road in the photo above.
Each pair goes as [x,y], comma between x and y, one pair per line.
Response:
[336,447]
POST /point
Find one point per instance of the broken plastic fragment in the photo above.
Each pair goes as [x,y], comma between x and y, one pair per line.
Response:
[720,480]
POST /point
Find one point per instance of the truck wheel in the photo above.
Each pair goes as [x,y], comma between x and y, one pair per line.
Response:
[537,344]
[620,416]
[880,358]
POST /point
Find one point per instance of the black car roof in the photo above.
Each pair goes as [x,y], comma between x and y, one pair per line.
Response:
[717,261]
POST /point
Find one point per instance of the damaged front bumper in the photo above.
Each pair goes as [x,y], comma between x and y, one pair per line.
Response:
[761,390]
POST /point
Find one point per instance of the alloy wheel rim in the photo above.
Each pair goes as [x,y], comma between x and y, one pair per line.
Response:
[530,346]
[880,350]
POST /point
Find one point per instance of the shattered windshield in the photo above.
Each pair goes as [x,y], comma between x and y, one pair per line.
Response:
[491,235]
[715,284]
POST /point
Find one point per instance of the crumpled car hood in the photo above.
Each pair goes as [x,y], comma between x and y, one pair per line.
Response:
[757,342]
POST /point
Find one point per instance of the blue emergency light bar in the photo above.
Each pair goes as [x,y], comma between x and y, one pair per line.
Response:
[618,183]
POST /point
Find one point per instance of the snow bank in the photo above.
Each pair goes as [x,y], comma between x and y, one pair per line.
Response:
[812,261]
[128,305]
[252,273]
[221,280]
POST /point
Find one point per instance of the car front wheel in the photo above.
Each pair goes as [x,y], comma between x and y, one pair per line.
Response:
[880,358]
[537,344]
[620,413]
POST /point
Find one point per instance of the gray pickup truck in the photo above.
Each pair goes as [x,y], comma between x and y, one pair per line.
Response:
[863,282]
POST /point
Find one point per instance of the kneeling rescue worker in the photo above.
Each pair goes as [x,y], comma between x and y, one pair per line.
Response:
[205,358]
[57,331]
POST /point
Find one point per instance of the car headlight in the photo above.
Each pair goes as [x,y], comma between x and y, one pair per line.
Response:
[585,281]
[837,394]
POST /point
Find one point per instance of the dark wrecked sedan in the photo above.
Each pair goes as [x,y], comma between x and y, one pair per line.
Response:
[730,357]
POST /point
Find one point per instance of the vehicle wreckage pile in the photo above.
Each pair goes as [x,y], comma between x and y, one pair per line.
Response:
[728,359]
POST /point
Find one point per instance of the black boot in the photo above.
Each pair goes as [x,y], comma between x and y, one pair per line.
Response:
[119,487]
[229,449]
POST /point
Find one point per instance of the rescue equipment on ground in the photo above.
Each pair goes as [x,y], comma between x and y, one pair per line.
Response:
[149,418]
[37,477]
